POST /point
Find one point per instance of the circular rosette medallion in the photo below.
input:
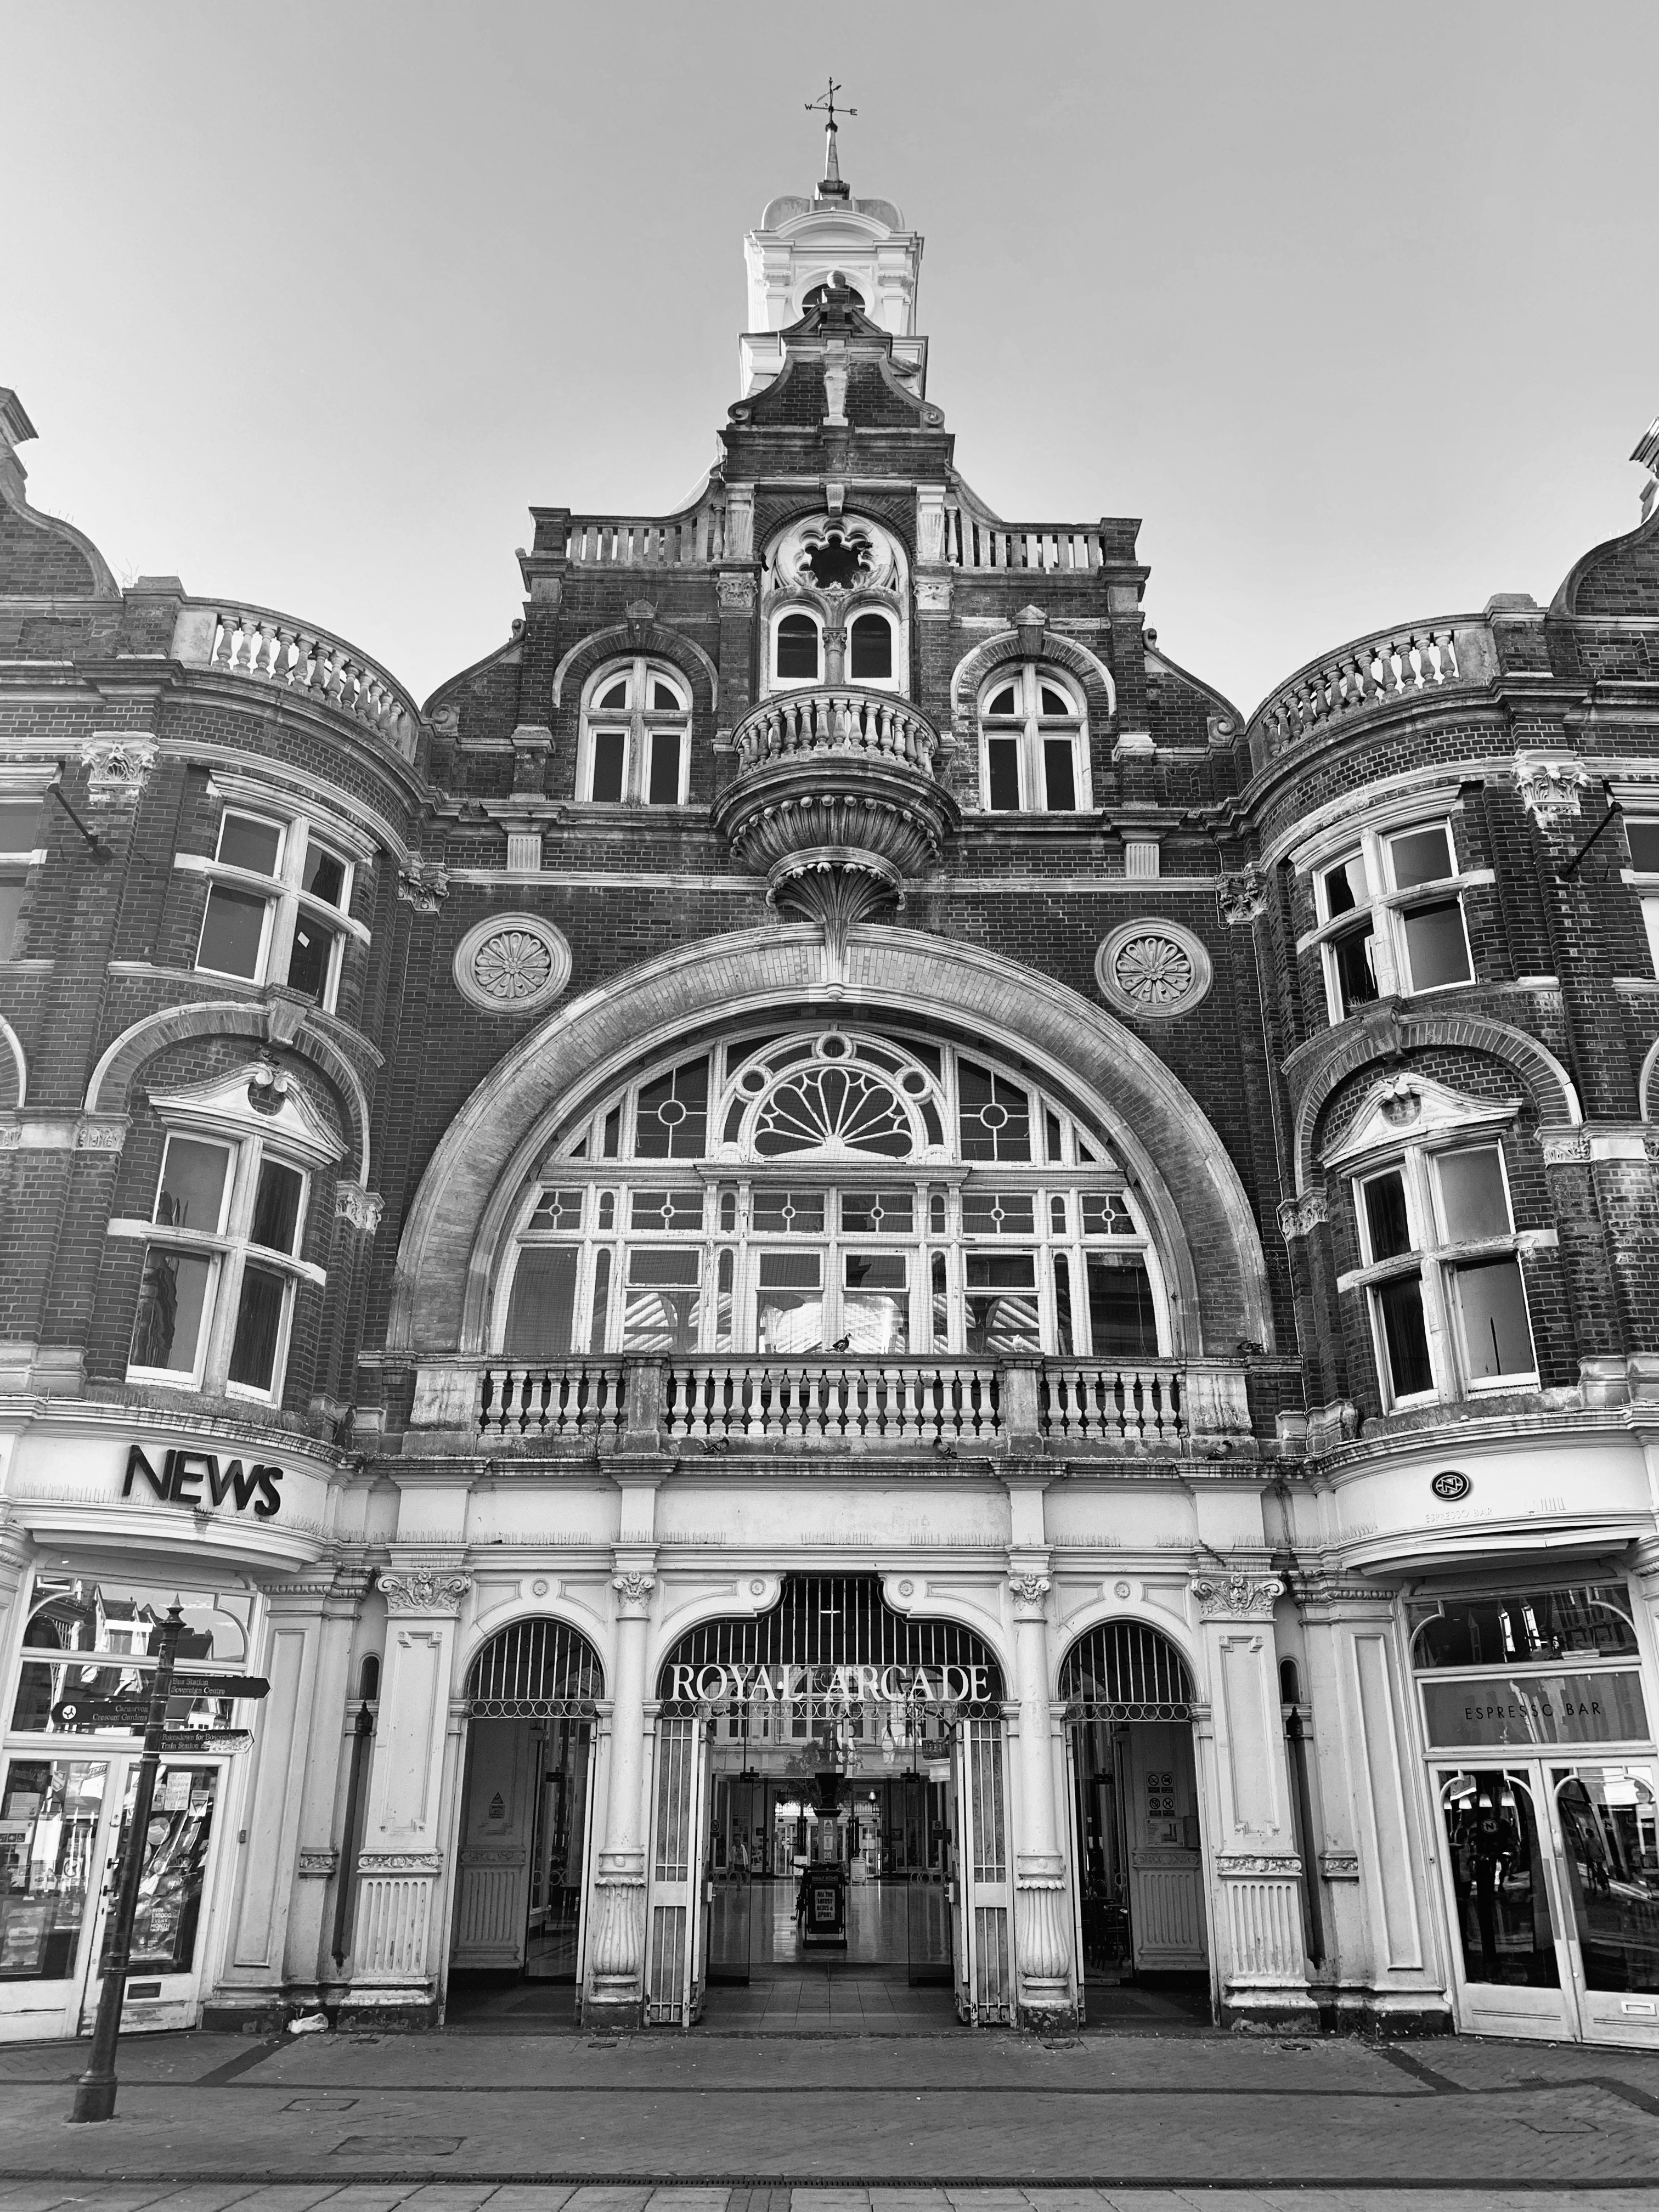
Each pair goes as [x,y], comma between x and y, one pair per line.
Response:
[514,964]
[1152,970]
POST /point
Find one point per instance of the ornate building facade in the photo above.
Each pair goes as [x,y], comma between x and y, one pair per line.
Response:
[829,1260]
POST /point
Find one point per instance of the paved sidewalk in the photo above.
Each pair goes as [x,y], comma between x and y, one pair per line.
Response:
[831,2124]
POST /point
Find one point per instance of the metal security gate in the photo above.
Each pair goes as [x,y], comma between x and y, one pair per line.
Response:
[985,1981]
[677,1935]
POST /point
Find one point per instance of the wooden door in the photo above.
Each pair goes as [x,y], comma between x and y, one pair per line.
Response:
[1166,1871]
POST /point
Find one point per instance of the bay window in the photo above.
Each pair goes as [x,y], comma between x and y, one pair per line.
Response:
[1441,1275]
[277,907]
[1389,917]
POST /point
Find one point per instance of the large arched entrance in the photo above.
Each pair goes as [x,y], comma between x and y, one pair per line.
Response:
[526,1817]
[830,1815]
[1141,1922]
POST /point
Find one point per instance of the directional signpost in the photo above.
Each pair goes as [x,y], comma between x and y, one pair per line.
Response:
[94,2093]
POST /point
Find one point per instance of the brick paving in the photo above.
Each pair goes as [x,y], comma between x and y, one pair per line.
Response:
[830,2123]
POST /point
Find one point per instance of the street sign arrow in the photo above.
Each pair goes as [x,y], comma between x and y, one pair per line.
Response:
[173,1741]
[102,1712]
[220,1685]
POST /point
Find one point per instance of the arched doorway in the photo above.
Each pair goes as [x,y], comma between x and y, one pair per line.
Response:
[527,1816]
[830,1799]
[1141,1923]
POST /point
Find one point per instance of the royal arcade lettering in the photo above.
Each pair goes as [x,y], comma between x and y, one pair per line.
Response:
[183,1474]
[726,1683]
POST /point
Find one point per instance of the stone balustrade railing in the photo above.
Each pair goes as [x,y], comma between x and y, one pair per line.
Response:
[646,541]
[275,651]
[973,541]
[796,725]
[1418,660]
[822,1400]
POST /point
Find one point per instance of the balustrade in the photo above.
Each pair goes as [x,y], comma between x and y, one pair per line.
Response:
[1418,659]
[625,541]
[273,649]
[797,724]
[824,1399]
[1089,1403]
[975,541]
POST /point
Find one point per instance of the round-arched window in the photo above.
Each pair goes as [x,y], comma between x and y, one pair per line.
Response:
[636,744]
[842,1190]
[1034,754]
[870,649]
[796,656]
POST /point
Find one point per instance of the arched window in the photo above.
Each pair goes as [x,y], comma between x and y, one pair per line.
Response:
[870,648]
[834,1190]
[1034,754]
[635,736]
[797,648]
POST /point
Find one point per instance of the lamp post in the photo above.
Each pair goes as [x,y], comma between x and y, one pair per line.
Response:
[94,2093]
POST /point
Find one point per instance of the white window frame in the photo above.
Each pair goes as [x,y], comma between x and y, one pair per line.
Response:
[1031,727]
[774,621]
[1387,906]
[16,861]
[227,1247]
[638,723]
[282,890]
[875,609]
[1644,882]
[1434,1261]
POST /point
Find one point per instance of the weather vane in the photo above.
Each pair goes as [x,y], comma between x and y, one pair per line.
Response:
[832,183]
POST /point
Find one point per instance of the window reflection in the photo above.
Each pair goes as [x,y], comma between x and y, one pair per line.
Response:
[1504,1919]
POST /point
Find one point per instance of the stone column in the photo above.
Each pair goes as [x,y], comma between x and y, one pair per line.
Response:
[394,1971]
[1257,1903]
[1042,1907]
[17,1551]
[310,1919]
[618,1954]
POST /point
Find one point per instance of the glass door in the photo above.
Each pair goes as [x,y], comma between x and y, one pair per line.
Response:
[53,1851]
[1608,1843]
[164,1970]
[1508,1961]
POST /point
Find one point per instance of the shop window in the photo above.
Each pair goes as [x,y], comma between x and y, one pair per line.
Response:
[277,906]
[1390,918]
[21,848]
[1033,743]
[96,1641]
[220,1267]
[797,648]
[1524,1627]
[1441,1275]
[636,744]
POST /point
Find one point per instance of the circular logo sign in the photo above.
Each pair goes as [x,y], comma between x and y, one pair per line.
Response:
[1451,1485]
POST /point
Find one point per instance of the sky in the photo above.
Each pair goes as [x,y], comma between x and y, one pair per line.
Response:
[1352,305]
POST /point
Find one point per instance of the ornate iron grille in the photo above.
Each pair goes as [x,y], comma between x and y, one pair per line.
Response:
[1123,1671]
[535,1669]
[826,1621]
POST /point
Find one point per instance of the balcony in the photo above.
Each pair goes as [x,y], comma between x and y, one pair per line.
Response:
[821,1402]
[835,800]
[1418,663]
[280,656]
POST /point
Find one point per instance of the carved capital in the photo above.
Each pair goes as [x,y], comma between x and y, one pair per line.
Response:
[737,592]
[104,1132]
[318,1865]
[116,768]
[1339,1866]
[1244,896]
[372,1864]
[425,1589]
[1564,1148]
[1257,1866]
[1030,1590]
[362,1208]
[633,1587]
[1549,783]
[424,885]
[1237,1596]
[1300,1216]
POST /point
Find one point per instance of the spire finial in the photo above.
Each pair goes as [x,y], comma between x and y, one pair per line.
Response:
[832,186]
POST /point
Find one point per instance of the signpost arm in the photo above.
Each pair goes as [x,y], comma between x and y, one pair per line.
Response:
[94,2093]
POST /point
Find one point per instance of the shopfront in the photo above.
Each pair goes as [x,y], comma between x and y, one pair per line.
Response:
[830,1785]
[109,1530]
[1546,1788]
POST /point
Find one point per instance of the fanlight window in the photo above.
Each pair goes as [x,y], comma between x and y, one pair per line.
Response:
[1033,755]
[1124,1671]
[636,737]
[834,1191]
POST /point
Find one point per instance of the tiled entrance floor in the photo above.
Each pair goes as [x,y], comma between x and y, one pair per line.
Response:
[829,1999]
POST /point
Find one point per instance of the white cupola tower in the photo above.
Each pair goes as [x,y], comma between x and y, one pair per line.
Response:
[801,243]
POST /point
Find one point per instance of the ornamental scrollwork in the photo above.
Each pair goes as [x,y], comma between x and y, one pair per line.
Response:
[1299,1217]
[425,1589]
[634,1586]
[1236,1597]
[424,885]
[1028,1590]
[1243,897]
